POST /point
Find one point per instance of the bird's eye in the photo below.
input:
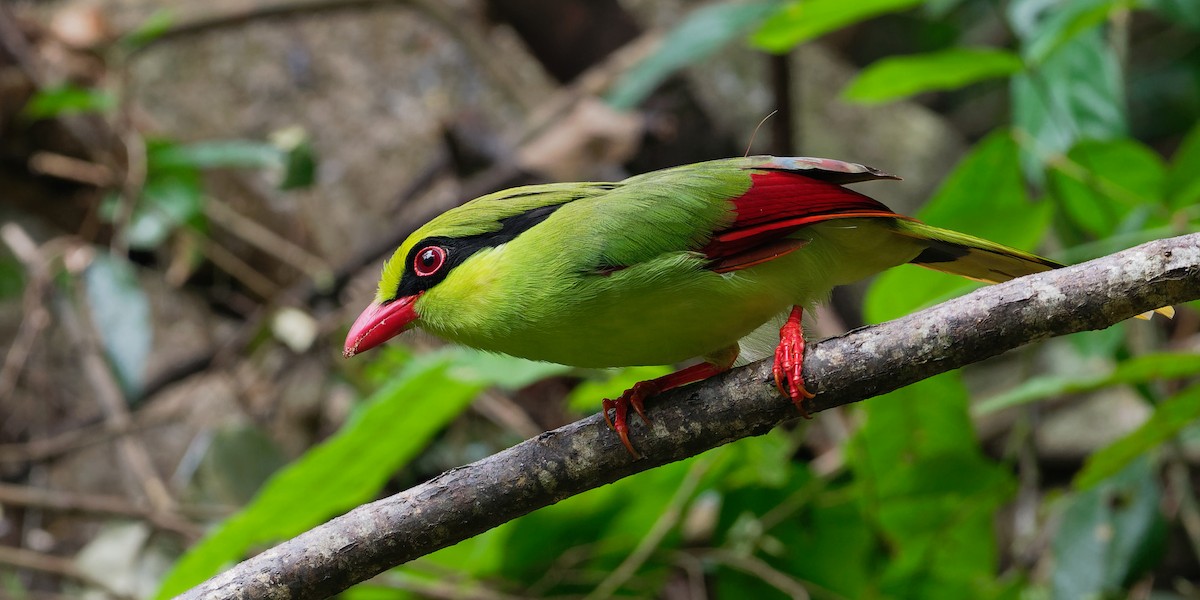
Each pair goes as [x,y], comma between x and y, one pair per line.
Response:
[429,260]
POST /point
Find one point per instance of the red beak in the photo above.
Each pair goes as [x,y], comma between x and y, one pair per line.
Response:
[379,323]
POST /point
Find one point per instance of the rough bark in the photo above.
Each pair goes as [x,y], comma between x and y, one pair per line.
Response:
[860,364]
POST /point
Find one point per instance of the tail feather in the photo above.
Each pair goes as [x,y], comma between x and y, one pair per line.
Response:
[981,260]
[972,257]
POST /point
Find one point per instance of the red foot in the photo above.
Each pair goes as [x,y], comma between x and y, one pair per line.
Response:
[633,397]
[636,396]
[789,362]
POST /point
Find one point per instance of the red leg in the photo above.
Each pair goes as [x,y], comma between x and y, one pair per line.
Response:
[636,396]
[789,362]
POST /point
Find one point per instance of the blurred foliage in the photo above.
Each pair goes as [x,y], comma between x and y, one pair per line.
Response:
[1074,165]
[700,34]
[121,313]
[1170,417]
[803,20]
[171,196]
[68,99]
[1107,534]
[903,76]
[340,473]
[12,278]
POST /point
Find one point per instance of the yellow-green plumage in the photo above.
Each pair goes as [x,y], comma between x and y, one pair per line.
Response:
[616,274]
[660,268]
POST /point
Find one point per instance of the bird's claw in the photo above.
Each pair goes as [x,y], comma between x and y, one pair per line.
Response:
[789,364]
[634,397]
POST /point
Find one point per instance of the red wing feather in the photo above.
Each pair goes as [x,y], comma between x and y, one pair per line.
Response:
[777,204]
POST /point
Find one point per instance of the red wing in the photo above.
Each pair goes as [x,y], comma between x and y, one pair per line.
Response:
[777,204]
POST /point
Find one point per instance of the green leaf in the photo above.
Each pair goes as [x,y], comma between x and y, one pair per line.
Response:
[925,482]
[902,76]
[12,278]
[983,196]
[121,315]
[488,368]
[1142,369]
[1075,94]
[299,158]
[1182,186]
[803,20]
[761,462]
[610,520]
[1103,533]
[700,34]
[169,199]
[1186,12]
[826,542]
[1067,20]
[68,99]
[1103,182]
[339,474]
[157,24]
[923,421]
[1169,418]
[213,154]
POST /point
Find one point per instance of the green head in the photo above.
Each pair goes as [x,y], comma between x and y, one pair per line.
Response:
[450,242]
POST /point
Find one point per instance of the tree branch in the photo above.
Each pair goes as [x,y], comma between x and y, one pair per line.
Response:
[863,363]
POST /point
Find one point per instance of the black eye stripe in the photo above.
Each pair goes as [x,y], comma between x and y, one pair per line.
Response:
[460,249]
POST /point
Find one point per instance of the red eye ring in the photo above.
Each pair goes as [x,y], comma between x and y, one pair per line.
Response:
[429,260]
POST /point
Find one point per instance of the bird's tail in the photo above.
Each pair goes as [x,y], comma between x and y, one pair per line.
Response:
[979,259]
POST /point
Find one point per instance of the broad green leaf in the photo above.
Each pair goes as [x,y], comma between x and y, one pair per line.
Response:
[984,196]
[701,33]
[942,529]
[369,590]
[121,315]
[479,556]
[1183,178]
[68,99]
[1075,94]
[1142,369]
[902,76]
[1104,532]
[1103,182]
[924,421]
[1169,418]
[609,384]
[931,491]
[763,461]
[169,199]
[803,20]
[213,154]
[488,368]
[344,471]
[1067,20]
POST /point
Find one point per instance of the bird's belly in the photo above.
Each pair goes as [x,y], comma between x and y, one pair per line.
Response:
[662,322]
[652,331]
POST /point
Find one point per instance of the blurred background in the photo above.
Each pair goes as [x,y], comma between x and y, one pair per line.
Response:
[196,198]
